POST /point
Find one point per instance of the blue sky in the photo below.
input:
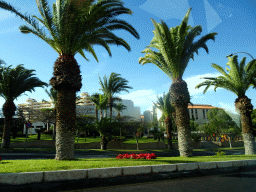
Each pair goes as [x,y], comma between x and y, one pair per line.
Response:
[233,20]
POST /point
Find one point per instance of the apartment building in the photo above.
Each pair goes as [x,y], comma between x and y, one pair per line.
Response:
[84,107]
[199,112]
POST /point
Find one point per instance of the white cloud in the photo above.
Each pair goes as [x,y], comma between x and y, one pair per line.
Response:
[192,82]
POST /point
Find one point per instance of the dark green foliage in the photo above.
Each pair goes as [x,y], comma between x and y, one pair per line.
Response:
[196,137]
[219,123]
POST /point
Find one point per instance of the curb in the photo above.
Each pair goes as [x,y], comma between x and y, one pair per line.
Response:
[85,178]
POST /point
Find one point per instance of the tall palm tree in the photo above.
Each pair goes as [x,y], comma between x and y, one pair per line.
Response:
[164,105]
[119,107]
[73,28]
[53,96]
[14,82]
[115,84]
[238,80]
[175,48]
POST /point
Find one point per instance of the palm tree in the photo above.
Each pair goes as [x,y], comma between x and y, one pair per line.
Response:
[100,101]
[238,80]
[113,85]
[119,107]
[53,96]
[104,127]
[176,47]
[14,82]
[73,28]
[164,105]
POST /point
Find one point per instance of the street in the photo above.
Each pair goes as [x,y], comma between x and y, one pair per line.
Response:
[235,182]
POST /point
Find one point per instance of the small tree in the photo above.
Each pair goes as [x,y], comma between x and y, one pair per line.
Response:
[136,128]
[84,123]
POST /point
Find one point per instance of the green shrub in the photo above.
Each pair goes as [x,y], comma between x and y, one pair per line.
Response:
[220,153]
[196,137]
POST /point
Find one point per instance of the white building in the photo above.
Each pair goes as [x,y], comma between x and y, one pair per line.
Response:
[84,107]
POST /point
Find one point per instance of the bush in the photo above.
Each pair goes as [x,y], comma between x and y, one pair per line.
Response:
[196,137]
[220,153]
[50,132]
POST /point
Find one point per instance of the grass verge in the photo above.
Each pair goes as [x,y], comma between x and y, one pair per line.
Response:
[18,166]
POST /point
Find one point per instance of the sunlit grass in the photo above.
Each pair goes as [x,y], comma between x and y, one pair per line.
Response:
[18,166]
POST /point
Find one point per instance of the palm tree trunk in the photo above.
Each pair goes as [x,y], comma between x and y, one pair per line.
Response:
[54,127]
[104,143]
[243,104]
[179,98]
[100,114]
[9,109]
[6,132]
[110,104]
[66,117]
[168,124]
[97,114]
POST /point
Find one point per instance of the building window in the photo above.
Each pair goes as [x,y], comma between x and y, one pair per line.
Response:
[206,113]
[203,114]
[192,113]
[196,114]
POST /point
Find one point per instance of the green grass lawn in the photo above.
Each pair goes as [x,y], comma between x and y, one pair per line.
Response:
[83,140]
[18,166]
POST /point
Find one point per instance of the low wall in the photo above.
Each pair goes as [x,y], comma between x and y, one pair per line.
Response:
[226,144]
[96,145]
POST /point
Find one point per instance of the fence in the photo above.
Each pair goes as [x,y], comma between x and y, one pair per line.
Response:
[221,139]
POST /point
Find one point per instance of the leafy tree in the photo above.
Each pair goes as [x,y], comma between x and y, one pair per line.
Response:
[84,123]
[135,128]
[46,116]
[175,48]
[114,84]
[13,83]
[194,125]
[239,79]
[73,27]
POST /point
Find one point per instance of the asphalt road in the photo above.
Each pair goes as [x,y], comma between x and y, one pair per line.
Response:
[235,182]
[96,154]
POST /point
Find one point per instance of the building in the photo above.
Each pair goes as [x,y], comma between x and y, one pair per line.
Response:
[84,107]
[199,112]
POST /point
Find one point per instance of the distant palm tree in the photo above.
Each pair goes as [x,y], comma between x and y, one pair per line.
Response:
[164,105]
[53,96]
[175,48]
[238,80]
[14,82]
[73,27]
[100,101]
[113,85]
[119,107]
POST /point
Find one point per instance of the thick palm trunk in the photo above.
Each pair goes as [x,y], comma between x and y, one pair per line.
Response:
[67,80]
[104,143]
[9,109]
[65,133]
[6,132]
[179,98]
[168,124]
[243,104]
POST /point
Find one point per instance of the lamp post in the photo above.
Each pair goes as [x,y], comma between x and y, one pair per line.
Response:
[238,52]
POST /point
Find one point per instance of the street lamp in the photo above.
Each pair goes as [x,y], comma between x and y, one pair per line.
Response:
[239,52]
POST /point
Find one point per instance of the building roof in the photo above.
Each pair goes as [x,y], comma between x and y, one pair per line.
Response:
[201,106]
